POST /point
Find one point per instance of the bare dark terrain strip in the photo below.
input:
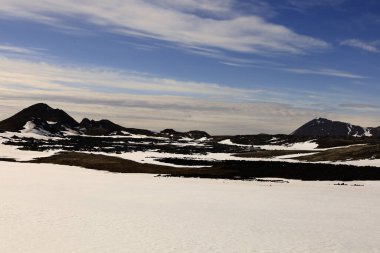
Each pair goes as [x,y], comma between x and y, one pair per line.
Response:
[242,170]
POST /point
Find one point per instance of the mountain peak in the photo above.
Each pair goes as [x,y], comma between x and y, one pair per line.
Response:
[42,118]
[39,111]
[39,106]
[320,120]
[100,127]
[325,127]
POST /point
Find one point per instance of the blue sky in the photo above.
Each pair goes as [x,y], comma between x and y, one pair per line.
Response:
[220,65]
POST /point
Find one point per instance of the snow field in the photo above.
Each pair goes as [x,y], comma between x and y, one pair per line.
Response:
[51,208]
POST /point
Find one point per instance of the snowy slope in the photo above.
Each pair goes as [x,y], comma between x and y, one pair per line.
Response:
[31,127]
[50,208]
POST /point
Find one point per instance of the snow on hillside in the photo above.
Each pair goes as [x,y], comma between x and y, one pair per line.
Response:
[70,132]
[367,132]
[31,128]
[51,208]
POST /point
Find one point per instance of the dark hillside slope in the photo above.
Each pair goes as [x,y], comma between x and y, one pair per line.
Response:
[324,127]
[38,112]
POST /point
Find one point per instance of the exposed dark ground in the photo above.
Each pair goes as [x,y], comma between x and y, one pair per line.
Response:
[119,165]
[73,147]
[241,170]
[281,139]
[348,153]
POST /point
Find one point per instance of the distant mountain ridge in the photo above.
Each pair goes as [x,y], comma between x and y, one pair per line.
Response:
[42,119]
[320,127]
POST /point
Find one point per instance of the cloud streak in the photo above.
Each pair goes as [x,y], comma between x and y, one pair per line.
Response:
[362,45]
[207,24]
[302,4]
[14,50]
[358,106]
[326,72]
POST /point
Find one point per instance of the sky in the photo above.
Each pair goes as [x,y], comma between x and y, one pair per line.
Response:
[224,66]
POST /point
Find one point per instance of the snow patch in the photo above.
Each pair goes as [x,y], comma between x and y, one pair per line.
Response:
[229,142]
[13,152]
[307,145]
[349,128]
[186,139]
[70,132]
[203,139]
[361,163]
[141,136]
[367,132]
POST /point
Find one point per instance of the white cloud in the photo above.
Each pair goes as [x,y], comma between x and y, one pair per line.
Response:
[366,46]
[303,4]
[10,49]
[360,106]
[326,72]
[43,75]
[223,27]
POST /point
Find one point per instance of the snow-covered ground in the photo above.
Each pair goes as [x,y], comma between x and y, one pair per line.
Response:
[307,145]
[363,162]
[51,208]
[28,134]
[13,152]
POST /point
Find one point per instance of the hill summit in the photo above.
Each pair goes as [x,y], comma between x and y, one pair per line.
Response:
[324,127]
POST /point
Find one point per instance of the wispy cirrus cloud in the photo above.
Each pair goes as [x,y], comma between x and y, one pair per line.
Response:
[371,47]
[207,24]
[326,72]
[302,4]
[360,106]
[15,50]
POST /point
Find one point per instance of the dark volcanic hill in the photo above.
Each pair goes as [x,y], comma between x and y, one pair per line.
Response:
[42,115]
[46,120]
[43,119]
[194,134]
[101,127]
[324,127]
[375,131]
[106,127]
